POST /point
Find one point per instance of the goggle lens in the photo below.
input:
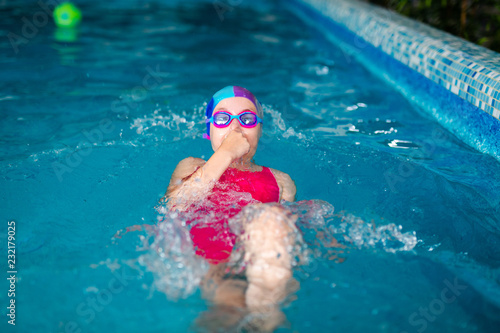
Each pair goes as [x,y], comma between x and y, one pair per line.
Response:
[221,119]
[246,119]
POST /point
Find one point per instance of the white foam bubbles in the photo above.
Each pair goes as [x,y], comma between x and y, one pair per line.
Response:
[171,258]
[346,230]
[181,125]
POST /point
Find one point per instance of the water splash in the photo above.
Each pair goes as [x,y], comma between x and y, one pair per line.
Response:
[346,230]
[388,237]
[183,125]
[171,258]
[279,127]
[320,233]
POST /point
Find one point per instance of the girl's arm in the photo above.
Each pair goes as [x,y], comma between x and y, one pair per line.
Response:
[195,171]
[193,178]
[182,172]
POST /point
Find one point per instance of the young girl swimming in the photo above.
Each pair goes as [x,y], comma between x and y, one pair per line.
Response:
[234,120]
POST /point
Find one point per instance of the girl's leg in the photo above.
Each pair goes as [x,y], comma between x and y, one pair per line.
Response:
[222,291]
[269,231]
[268,238]
[228,298]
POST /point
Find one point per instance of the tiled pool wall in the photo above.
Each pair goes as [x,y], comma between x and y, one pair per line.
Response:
[461,79]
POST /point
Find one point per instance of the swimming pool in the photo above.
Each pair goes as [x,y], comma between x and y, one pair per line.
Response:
[93,128]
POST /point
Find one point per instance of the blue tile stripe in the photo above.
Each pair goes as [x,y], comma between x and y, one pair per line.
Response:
[465,69]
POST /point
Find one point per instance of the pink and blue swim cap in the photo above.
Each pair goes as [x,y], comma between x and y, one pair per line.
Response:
[228,92]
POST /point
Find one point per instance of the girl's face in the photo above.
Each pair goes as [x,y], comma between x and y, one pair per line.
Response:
[234,106]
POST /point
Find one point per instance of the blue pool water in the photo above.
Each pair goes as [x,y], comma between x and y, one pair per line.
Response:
[93,128]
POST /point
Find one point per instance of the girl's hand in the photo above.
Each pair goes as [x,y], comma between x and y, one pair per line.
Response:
[235,144]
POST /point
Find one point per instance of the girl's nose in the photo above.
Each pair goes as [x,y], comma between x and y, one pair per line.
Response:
[234,124]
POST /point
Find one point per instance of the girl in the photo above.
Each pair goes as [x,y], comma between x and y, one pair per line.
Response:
[234,126]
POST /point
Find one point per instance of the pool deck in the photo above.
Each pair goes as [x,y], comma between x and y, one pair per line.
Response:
[455,66]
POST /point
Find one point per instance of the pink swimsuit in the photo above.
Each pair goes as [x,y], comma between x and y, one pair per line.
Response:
[214,241]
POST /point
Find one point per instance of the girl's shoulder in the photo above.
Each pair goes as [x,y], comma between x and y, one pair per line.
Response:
[191,161]
[286,185]
[187,166]
[280,174]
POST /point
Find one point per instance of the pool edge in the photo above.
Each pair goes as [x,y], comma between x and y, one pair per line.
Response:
[402,45]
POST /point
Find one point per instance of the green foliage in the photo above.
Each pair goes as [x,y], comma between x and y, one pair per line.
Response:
[475,20]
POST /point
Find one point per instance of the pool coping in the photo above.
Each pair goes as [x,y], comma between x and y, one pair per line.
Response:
[453,66]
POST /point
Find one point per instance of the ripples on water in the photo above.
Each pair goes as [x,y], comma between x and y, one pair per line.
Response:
[322,234]
[343,135]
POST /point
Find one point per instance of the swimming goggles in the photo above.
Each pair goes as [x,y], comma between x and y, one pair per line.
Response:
[247,119]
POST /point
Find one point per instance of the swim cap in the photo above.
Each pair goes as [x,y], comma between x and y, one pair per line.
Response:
[228,92]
